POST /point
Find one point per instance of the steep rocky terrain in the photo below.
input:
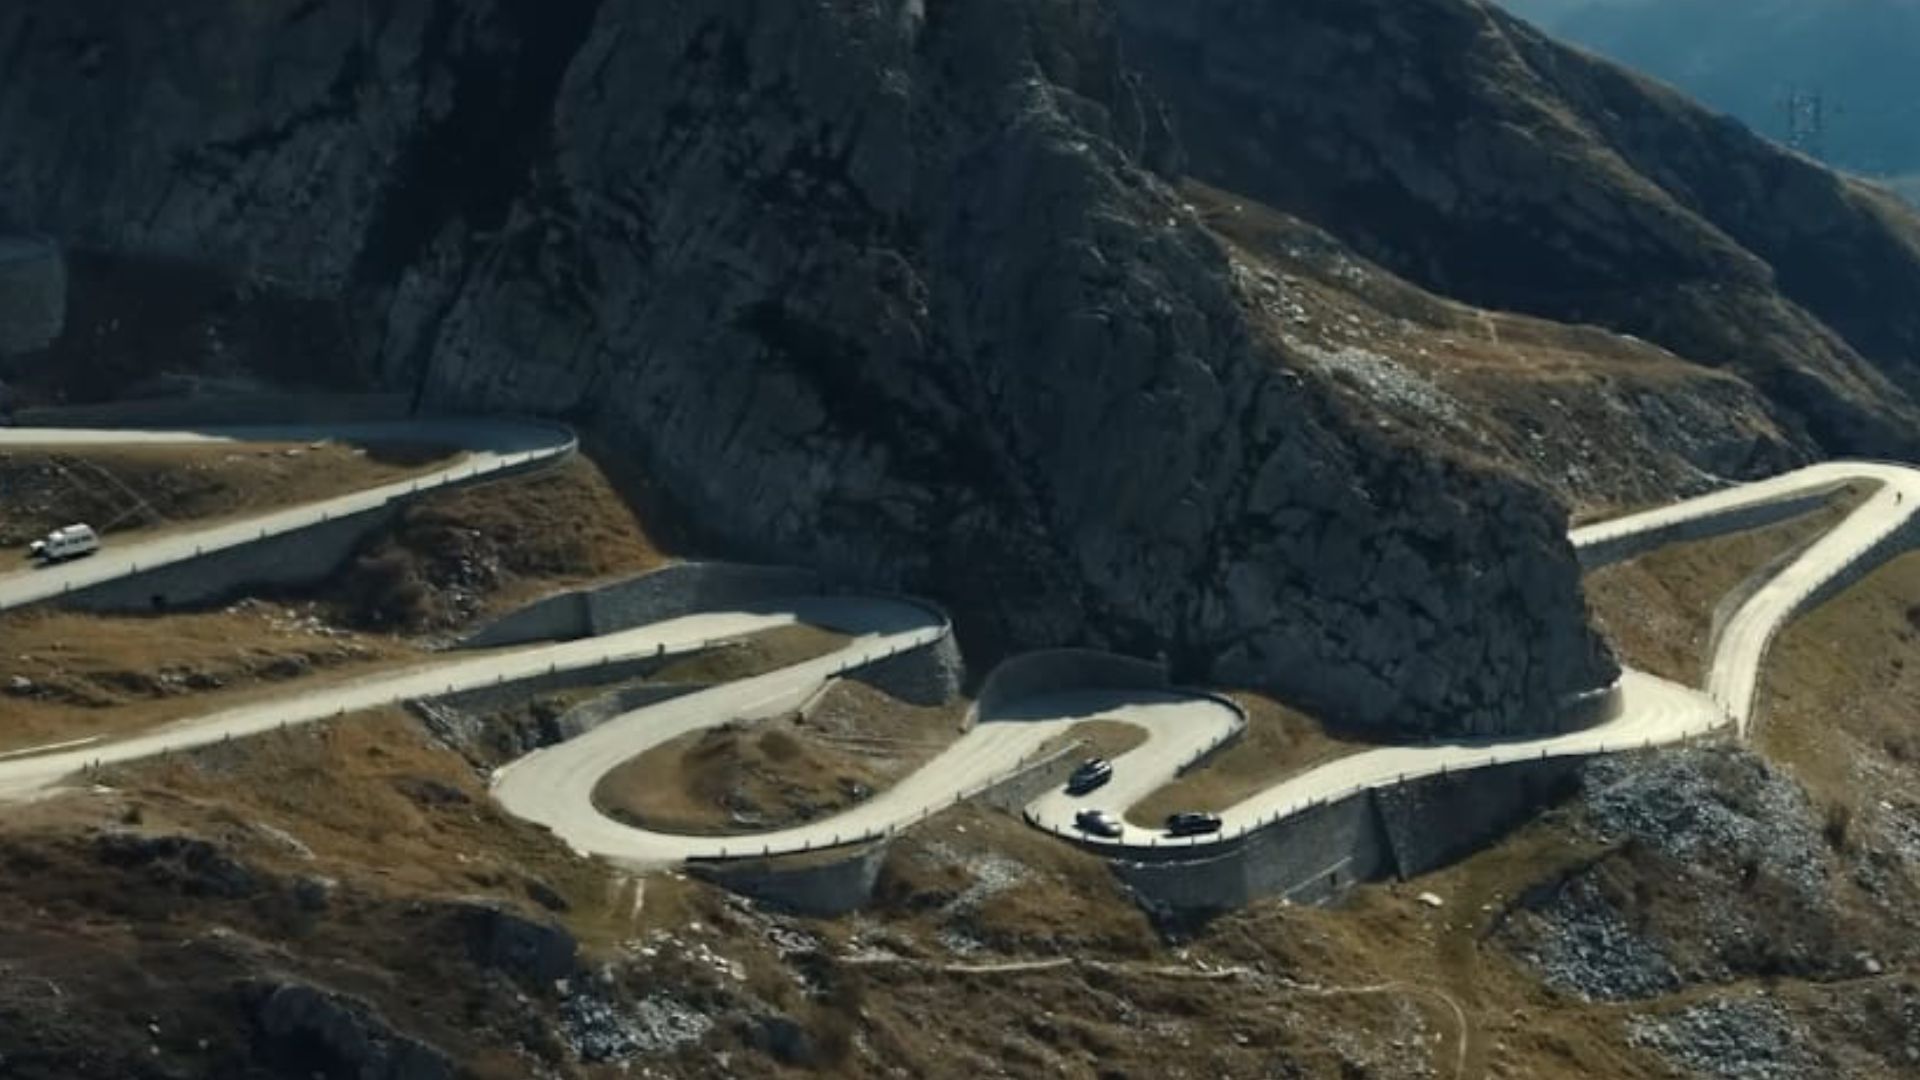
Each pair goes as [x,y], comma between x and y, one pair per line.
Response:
[1461,148]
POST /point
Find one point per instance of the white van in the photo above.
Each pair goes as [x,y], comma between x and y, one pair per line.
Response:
[68,543]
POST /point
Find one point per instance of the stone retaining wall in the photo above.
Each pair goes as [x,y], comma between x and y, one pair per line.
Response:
[1437,820]
[1321,853]
[299,557]
[817,885]
[588,715]
[561,617]
[507,694]
[1632,545]
[1036,779]
[656,596]
[1889,547]
[1051,671]
[929,676]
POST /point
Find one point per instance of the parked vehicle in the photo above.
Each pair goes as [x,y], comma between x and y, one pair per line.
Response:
[1091,774]
[1192,823]
[1097,823]
[69,542]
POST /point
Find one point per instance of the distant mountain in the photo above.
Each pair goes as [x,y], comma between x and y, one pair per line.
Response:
[1745,56]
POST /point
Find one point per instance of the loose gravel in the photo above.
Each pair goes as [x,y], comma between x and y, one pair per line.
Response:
[1718,804]
[1736,1038]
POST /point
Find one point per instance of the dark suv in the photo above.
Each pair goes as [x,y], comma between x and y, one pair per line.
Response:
[1097,823]
[1192,823]
[1091,774]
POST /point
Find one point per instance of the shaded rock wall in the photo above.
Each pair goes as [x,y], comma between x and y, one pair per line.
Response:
[33,294]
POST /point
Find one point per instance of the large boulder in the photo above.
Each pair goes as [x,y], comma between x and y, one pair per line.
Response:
[533,951]
[314,1032]
[195,866]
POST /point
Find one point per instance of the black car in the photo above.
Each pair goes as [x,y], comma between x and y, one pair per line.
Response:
[1097,823]
[1192,823]
[1091,774]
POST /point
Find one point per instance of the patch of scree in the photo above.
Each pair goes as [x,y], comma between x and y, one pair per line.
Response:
[1719,803]
[1749,1038]
[1586,949]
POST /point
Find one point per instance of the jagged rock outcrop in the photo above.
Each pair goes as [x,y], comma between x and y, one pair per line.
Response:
[537,952]
[884,286]
[190,864]
[309,1031]
[1461,148]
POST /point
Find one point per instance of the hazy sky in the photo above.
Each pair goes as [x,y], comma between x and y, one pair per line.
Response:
[1746,57]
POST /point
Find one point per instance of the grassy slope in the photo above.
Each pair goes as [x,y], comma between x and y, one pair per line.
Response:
[1279,742]
[1841,692]
[750,777]
[99,675]
[1658,609]
[460,555]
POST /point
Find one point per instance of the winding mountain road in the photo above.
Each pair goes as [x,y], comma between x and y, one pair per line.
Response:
[553,786]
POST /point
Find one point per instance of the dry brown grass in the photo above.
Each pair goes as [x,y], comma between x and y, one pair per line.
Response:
[1062,895]
[1659,609]
[130,492]
[1560,404]
[750,777]
[394,831]
[460,555]
[1383,946]
[1096,738]
[99,675]
[736,778]
[379,805]
[1841,687]
[1279,742]
[1341,289]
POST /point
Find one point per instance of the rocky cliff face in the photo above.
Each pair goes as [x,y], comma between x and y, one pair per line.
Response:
[895,288]
[1460,148]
